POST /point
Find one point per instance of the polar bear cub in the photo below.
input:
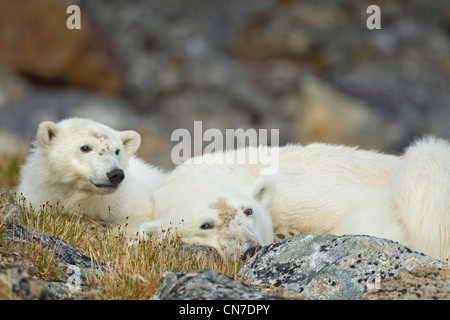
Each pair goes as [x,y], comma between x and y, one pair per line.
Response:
[88,166]
[203,208]
[319,188]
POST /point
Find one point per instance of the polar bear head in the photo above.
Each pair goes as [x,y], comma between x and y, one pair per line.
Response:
[85,154]
[211,211]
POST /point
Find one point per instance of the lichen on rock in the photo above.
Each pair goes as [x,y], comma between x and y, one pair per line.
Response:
[331,267]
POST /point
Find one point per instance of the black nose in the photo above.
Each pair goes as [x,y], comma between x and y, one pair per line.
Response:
[115,176]
[250,252]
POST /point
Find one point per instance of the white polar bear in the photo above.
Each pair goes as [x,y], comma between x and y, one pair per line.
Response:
[235,218]
[89,166]
[319,188]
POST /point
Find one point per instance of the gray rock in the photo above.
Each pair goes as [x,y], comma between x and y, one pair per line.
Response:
[205,285]
[16,280]
[68,257]
[424,282]
[331,267]
[16,284]
[11,214]
[61,290]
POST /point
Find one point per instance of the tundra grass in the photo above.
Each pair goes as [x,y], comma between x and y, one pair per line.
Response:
[132,272]
[9,169]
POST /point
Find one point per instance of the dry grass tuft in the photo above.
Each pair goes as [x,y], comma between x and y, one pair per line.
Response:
[133,272]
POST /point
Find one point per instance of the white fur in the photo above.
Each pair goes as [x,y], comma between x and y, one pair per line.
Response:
[421,192]
[322,188]
[232,231]
[58,170]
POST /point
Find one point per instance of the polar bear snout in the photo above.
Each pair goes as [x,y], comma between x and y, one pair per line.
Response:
[109,182]
[115,177]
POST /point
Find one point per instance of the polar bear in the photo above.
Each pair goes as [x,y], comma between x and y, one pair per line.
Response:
[235,219]
[85,165]
[318,188]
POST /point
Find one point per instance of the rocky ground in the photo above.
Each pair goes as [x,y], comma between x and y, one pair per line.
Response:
[304,267]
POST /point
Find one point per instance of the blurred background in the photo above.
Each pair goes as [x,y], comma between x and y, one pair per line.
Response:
[311,69]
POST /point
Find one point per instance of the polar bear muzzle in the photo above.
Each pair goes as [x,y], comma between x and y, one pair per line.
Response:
[115,176]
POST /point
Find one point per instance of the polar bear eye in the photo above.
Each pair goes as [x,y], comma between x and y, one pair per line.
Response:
[248,212]
[117,152]
[85,148]
[206,226]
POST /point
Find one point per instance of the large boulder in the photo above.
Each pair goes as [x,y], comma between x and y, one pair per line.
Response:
[205,285]
[332,267]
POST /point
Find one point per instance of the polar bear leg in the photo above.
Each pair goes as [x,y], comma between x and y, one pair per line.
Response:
[374,216]
[421,193]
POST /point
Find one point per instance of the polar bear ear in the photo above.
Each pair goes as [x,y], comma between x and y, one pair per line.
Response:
[131,141]
[47,130]
[263,191]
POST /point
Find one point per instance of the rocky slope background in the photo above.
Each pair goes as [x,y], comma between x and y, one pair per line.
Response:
[311,69]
